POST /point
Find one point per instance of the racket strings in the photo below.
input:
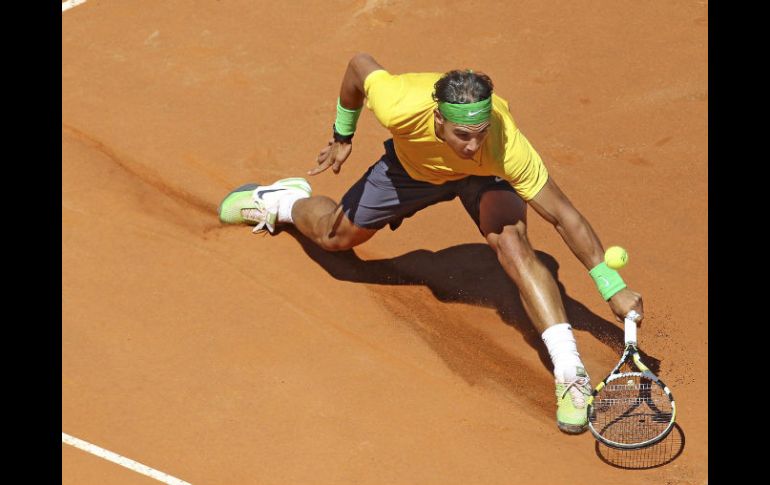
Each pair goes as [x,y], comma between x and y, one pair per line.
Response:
[631,410]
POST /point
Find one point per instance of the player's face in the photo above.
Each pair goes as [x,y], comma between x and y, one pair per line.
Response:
[464,140]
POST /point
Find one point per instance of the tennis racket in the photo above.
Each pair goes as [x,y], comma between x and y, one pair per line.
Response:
[631,408]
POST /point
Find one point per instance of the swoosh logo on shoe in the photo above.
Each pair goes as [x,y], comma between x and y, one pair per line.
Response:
[260,192]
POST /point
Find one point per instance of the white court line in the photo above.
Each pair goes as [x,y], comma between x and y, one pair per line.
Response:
[121,460]
[71,3]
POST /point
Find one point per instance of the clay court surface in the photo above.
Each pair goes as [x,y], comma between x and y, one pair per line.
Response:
[219,356]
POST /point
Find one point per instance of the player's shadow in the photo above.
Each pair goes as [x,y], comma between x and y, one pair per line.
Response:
[471,274]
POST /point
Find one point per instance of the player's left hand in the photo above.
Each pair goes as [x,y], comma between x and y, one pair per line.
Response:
[623,302]
[332,155]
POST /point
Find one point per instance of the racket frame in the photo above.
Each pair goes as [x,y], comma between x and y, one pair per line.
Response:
[631,353]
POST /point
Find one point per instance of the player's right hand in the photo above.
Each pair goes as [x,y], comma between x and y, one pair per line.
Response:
[333,155]
[624,301]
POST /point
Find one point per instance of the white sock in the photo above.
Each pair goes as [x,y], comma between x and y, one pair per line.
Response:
[560,342]
[286,204]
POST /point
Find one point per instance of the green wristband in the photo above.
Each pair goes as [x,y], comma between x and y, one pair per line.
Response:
[607,280]
[345,124]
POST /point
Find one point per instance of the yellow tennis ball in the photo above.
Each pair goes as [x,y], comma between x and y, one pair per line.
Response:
[615,257]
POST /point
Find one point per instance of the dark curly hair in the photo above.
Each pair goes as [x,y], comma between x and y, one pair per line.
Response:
[462,87]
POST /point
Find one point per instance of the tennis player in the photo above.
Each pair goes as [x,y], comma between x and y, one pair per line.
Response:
[451,136]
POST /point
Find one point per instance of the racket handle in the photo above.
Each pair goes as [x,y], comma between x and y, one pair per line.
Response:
[630,325]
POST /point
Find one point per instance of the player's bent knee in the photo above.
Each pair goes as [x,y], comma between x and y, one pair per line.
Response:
[346,237]
[512,244]
[337,244]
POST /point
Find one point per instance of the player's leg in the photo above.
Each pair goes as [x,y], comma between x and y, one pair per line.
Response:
[501,216]
[323,221]
[384,195]
[289,201]
[502,221]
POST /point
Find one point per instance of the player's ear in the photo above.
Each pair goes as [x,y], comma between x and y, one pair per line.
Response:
[438,116]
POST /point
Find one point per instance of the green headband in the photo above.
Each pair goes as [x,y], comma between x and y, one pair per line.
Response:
[467,114]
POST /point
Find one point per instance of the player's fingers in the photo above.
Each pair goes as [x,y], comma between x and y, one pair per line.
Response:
[323,154]
[638,307]
[636,315]
[320,168]
[325,150]
[338,158]
[341,155]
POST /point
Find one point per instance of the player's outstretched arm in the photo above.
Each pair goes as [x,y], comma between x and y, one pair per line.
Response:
[352,88]
[349,106]
[554,206]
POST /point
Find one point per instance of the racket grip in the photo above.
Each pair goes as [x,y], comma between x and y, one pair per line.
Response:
[630,327]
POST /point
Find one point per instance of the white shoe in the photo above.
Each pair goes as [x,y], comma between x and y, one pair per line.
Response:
[255,204]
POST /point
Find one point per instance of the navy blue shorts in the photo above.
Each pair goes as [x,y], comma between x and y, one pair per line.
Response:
[386,194]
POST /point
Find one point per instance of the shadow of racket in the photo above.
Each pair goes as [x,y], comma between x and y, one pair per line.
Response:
[656,455]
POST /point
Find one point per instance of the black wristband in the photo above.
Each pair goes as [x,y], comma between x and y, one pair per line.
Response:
[341,138]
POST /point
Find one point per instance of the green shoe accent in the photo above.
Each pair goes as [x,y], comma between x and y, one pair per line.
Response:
[230,209]
[572,411]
